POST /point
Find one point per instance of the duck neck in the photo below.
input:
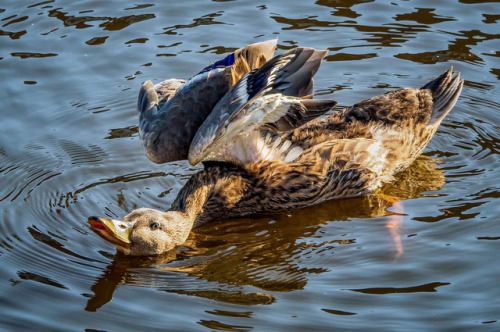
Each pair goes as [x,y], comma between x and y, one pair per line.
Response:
[192,197]
[185,213]
[208,193]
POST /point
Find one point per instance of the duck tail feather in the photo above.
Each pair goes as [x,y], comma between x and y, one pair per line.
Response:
[445,90]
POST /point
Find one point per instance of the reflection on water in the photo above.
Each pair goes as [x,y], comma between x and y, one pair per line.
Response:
[69,148]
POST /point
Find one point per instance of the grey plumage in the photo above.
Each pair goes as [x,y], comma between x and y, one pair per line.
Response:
[167,125]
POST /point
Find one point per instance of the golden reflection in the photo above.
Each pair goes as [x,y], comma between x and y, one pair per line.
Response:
[244,260]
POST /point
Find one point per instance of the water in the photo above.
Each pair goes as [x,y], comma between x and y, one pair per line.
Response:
[69,148]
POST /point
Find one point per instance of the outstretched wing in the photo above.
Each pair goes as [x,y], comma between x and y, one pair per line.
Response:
[168,124]
[243,126]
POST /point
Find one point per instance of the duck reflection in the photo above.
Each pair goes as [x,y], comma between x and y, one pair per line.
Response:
[243,261]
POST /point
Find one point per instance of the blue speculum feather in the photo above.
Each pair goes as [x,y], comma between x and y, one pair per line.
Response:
[256,84]
[227,61]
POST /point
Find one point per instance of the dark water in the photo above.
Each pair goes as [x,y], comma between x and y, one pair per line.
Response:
[70,72]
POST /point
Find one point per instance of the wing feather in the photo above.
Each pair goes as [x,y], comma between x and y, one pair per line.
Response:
[171,112]
[267,98]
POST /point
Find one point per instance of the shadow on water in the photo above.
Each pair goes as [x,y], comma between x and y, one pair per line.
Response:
[235,258]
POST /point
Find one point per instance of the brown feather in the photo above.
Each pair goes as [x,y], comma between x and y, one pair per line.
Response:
[349,153]
[346,154]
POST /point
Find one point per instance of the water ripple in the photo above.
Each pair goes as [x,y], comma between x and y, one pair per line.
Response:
[69,148]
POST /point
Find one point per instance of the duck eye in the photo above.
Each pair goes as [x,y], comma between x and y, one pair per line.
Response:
[154,226]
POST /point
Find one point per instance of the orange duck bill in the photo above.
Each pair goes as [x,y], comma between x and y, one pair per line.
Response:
[114,231]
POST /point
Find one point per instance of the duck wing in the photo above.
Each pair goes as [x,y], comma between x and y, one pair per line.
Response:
[246,124]
[171,112]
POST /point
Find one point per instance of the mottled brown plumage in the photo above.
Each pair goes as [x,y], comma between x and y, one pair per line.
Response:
[346,154]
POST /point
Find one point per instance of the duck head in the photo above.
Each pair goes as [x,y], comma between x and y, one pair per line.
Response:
[144,231]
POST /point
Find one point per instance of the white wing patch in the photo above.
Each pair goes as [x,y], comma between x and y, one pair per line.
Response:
[256,146]
[244,126]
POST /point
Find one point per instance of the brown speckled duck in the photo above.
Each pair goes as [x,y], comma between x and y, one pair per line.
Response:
[264,147]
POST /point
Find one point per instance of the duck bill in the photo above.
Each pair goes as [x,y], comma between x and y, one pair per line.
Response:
[114,231]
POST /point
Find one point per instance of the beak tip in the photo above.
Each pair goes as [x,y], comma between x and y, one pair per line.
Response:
[95,223]
[109,230]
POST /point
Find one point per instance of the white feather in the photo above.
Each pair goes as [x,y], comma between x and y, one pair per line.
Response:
[293,154]
[285,146]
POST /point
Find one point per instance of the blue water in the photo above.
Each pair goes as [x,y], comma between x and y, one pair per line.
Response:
[69,148]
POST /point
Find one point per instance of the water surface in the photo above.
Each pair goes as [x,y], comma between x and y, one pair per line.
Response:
[69,148]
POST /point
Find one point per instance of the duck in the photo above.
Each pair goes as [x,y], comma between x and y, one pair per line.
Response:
[265,144]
